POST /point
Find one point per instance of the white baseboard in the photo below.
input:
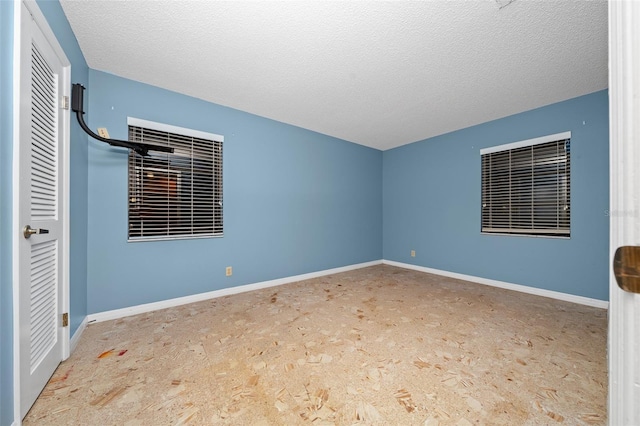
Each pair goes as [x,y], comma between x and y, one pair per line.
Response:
[148,307]
[508,286]
[76,336]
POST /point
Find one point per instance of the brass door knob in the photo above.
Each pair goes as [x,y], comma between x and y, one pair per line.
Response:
[28,231]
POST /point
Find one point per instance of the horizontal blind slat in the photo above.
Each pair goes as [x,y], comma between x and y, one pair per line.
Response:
[526,190]
[176,194]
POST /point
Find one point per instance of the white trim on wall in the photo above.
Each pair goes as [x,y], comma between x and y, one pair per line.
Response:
[170,303]
[76,336]
[505,285]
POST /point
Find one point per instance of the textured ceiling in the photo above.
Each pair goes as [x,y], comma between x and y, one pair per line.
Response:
[380,74]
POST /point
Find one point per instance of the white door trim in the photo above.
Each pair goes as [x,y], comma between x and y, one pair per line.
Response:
[42,23]
[624,136]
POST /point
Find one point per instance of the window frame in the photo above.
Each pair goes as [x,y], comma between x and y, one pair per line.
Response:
[522,231]
[217,178]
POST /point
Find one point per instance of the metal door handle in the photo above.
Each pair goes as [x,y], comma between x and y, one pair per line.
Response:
[626,268]
[28,231]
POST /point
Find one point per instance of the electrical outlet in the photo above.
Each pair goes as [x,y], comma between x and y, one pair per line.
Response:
[102,131]
[229,271]
[413,253]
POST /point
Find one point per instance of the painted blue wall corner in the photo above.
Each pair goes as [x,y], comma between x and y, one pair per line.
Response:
[431,199]
[295,201]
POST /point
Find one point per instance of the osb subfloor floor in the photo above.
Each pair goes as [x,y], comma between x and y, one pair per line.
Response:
[380,345]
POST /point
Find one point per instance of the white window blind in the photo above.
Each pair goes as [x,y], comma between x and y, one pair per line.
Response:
[526,187]
[179,194]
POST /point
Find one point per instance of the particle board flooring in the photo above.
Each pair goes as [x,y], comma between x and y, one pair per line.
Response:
[377,346]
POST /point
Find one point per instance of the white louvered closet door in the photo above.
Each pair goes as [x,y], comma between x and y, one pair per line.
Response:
[40,207]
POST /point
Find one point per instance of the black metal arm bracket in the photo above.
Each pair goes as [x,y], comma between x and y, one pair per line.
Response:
[77,100]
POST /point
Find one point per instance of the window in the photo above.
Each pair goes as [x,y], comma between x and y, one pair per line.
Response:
[177,195]
[526,187]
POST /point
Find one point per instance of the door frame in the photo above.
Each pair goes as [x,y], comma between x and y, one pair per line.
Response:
[32,8]
[624,158]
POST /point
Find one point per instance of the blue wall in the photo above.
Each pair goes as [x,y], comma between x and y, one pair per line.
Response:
[6,154]
[431,199]
[295,201]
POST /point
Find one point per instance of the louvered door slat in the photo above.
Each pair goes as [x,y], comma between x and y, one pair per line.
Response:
[44,196]
[43,206]
[43,295]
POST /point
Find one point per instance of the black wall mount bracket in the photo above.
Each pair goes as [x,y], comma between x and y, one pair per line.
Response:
[77,105]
